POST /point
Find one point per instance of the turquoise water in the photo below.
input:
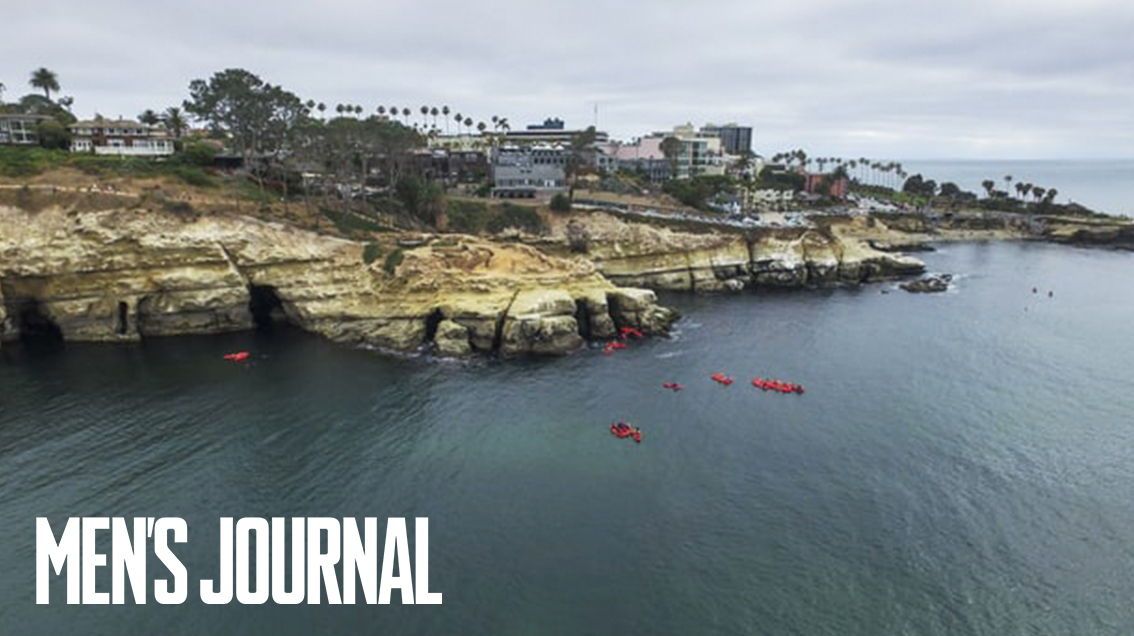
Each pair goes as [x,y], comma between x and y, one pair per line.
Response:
[962,463]
[1102,185]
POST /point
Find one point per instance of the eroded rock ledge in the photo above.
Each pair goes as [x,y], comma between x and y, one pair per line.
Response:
[654,257]
[123,275]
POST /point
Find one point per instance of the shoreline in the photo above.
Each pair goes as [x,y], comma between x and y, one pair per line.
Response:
[93,269]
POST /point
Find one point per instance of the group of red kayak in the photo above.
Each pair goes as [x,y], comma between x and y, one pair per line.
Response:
[623,334]
[777,385]
[622,430]
[760,383]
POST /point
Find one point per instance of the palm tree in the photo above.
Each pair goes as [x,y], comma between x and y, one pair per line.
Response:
[459,120]
[149,117]
[381,111]
[480,127]
[2,89]
[445,113]
[1007,181]
[424,114]
[1051,194]
[1038,192]
[357,110]
[468,124]
[988,185]
[406,114]
[321,108]
[45,80]
[174,121]
[433,112]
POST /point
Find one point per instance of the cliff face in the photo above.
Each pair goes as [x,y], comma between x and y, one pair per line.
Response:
[129,274]
[660,258]
[1093,233]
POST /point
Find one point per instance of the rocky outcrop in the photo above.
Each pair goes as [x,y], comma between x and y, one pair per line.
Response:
[1114,233]
[121,275]
[540,322]
[452,340]
[642,255]
[928,284]
[639,308]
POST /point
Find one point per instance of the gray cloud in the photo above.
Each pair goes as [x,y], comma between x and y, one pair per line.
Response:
[884,78]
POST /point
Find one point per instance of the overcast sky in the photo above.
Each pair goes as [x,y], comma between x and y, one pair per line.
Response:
[880,78]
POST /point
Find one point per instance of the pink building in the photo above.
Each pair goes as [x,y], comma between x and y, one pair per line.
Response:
[836,187]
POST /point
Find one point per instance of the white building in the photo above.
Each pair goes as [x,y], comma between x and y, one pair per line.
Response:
[122,137]
[700,153]
[535,170]
[19,129]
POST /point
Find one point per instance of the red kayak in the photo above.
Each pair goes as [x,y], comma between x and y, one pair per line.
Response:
[721,378]
[611,347]
[622,430]
[672,386]
[239,356]
[777,385]
[631,332]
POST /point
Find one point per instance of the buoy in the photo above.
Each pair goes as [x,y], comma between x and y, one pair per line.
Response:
[239,356]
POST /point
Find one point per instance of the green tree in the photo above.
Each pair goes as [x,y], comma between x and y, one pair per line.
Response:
[199,153]
[256,116]
[671,149]
[45,80]
[174,120]
[560,203]
[149,117]
[53,135]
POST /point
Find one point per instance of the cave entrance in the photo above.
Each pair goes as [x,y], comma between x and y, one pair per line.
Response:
[432,321]
[122,325]
[266,307]
[33,324]
[583,318]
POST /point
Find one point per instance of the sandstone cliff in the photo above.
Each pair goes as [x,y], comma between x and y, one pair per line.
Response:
[644,255]
[126,274]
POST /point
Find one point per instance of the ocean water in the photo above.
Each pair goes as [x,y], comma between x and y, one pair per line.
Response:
[1102,185]
[962,463]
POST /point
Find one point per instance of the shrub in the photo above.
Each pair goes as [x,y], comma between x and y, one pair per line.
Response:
[578,238]
[516,216]
[180,208]
[467,217]
[560,203]
[197,153]
[371,252]
[394,259]
[421,198]
[53,135]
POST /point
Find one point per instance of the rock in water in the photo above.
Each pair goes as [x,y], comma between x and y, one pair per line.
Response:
[928,284]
